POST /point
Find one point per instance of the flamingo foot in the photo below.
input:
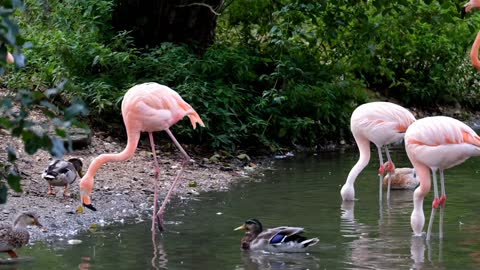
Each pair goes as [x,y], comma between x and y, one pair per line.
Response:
[435,203]
[442,200]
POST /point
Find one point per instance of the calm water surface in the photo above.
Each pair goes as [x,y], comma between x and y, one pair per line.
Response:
[298,192]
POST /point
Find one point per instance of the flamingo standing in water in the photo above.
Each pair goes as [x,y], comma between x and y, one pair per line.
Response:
[381,123]
[146,107]
[436,143]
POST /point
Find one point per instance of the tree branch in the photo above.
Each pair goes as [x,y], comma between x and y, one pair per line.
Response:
[203,5]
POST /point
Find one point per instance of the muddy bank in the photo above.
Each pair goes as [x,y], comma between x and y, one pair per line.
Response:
[123,190]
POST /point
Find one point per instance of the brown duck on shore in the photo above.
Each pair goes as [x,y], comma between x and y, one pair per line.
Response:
[16,236]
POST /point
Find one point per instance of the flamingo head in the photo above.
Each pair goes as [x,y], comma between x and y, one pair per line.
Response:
[86,187]
[347,192]
[472,4]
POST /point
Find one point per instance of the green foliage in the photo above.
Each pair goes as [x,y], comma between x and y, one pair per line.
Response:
[249,91]
[15,111]
[280,73]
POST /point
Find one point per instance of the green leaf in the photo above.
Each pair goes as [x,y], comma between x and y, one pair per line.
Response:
[3,193]
[12,154]
[13,180]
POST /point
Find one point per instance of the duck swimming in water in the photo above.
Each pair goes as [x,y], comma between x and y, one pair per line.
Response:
[62,173]
[16,236]
[280,239]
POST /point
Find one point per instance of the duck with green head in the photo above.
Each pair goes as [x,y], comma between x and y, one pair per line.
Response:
[279,239]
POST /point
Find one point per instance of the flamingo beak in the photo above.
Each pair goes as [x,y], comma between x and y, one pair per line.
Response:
[85,202]
[243,227]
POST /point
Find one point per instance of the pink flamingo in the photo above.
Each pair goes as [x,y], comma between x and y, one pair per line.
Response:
[474,4]
[381,123]
[146,107]
[10,58]
[436,143]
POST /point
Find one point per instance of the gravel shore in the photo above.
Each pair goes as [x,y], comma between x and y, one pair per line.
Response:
[123,190]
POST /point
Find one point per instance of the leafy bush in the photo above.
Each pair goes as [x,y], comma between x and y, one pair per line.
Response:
[280,73]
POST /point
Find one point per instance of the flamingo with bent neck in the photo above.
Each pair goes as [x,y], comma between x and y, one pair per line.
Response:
[434,144]
[146,107]
[381,123]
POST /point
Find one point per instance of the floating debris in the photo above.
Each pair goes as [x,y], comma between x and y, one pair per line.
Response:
[74,241]
[289,154]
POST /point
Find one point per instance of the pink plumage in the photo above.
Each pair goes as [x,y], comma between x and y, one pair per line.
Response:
[146,107]
[381,123]
[436,143]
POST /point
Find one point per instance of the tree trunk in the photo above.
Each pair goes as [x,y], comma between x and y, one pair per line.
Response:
[152,22]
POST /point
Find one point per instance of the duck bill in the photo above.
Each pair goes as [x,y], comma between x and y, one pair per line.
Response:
[243,227]
[36,223]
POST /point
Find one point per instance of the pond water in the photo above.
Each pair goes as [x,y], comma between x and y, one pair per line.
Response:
[303,191]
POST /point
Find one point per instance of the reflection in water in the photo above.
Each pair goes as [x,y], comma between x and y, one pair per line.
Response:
[348,210]
[85,264]
[378,247]
[158,252]
[15,263]
[417,251]
[258,260]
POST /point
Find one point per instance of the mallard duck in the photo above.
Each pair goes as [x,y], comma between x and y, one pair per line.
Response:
[62,173]
[402,178]
[16,236]
[280,239]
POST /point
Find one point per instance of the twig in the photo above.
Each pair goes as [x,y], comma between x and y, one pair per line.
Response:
[203,5]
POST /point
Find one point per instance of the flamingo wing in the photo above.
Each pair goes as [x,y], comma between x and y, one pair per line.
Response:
[381,122]
[441,142]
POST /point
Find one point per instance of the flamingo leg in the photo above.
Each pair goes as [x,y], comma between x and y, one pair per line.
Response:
[157,173]
[389,172]
[380,174]
[443,198]
[175,181]
[434,204]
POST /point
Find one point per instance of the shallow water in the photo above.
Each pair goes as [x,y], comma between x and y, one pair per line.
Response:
[303,191]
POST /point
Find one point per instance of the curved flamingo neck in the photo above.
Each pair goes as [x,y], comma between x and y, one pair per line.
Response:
[417,219]
[348,191]
[132,142]
[474,52]
[364,148]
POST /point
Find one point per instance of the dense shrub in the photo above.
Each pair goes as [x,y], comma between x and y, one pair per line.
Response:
[280,72]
